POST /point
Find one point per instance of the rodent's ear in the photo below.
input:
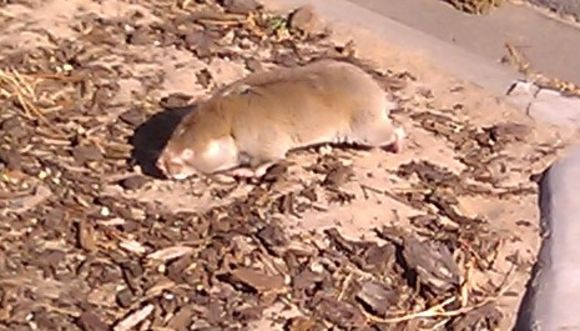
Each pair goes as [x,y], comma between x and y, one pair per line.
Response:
[218,148]
[213,148]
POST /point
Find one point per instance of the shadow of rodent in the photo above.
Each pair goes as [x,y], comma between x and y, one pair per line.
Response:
[151,137]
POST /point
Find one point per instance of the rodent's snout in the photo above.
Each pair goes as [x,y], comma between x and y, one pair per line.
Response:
[160,164]
[172,167]
[400,136]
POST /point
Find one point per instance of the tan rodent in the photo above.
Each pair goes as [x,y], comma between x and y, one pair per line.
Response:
[253,123]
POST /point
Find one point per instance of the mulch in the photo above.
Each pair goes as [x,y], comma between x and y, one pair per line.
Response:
[72,258]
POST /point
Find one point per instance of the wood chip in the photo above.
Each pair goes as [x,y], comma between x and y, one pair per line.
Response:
[134,318]
[133,246]
[170,253]
[87,239]
[257,280]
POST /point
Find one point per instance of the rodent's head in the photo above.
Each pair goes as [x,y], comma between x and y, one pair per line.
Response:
[200,144]
[176,161]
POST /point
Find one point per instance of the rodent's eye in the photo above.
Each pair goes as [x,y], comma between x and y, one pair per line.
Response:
[186,154]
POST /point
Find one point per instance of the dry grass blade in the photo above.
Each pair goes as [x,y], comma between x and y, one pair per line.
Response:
[133,247]
[13,84]
[517,58]
[437,311]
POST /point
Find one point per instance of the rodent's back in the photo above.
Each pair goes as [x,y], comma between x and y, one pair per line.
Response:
[309,103]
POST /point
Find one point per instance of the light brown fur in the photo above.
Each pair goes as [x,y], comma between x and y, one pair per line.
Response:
[255,121]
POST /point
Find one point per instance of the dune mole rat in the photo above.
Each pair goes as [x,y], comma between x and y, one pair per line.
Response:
[251,124]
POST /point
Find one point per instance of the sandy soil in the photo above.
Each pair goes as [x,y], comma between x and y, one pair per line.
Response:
[447,122]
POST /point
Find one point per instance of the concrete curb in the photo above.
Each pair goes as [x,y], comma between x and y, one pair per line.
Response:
[551,301]
[458,62]
[561,7]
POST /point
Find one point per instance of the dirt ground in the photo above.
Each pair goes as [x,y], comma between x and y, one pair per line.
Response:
[441,236]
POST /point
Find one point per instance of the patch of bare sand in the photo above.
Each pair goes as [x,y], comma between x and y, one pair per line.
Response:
[31,24]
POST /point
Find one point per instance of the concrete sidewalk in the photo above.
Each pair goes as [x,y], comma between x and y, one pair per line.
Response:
[483,39]
[551,45]
[551,302]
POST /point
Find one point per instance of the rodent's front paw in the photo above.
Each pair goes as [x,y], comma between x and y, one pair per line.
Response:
[243,173]
[397,145]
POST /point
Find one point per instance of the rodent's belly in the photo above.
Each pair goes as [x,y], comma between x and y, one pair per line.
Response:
[332,135]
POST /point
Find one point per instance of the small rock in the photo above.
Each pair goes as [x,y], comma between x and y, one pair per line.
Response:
[306,20]
[102,96]
[273,236]
[254,65]
[338,176]
[134,182]
[486,317]
[52,257]
[10,123]
[201,43]
[433,264]
[204,78]
[84,154]
[340,313]
[86,236]
[125,298]
[11,159]
[285,59]
[299,323]
[45,320]
[182,319]
[377,298]
[91,322]
[275,172]
[133,117]
[142,36]
[509,132]
[13,128]
[240,6]
[175,100]
[306,280]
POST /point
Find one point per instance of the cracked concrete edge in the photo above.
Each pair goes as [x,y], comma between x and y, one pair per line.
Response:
[560,7]
[550,302]
[458,62]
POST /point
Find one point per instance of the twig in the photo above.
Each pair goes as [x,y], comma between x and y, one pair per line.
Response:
[431,312]
[25,94]
[434,312]
[345,284]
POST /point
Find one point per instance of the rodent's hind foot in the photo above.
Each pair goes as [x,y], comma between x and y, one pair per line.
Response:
[397,146]
[251,173]
[242,172]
